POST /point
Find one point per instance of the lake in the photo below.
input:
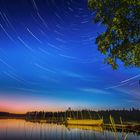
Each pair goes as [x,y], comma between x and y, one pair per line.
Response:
[12,129]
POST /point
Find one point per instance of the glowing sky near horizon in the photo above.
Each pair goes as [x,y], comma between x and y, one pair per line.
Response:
[49,59]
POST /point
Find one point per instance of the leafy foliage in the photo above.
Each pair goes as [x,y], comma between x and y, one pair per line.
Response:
[121,40]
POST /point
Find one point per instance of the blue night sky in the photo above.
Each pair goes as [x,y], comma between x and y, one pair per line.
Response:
[49,59]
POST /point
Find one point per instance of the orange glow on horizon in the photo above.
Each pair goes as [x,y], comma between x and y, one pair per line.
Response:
[22,106]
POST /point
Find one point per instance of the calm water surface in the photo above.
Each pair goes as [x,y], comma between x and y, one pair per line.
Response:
[22,130]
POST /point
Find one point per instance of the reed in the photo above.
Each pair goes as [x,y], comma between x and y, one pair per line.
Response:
[114,129]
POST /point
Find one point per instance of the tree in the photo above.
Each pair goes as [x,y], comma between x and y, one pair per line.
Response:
[121,39]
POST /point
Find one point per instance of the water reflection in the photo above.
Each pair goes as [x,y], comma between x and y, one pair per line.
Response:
[22,130]
[84,127]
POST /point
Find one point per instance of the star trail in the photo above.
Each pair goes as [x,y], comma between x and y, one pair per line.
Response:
[49,59]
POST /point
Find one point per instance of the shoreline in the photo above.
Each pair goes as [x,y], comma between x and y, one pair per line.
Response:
[126,126]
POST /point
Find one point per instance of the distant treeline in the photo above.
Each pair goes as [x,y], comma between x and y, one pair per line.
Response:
[11,115]
[132,115]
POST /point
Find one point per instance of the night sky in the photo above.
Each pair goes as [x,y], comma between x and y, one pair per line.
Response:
[49,60]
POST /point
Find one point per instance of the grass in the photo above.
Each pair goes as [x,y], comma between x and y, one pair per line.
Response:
[114,129]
